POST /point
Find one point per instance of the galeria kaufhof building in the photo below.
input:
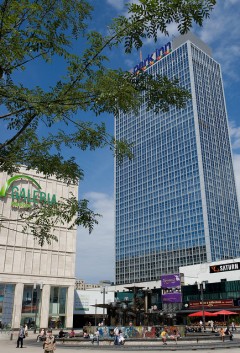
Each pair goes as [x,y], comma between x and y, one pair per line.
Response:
[36,283]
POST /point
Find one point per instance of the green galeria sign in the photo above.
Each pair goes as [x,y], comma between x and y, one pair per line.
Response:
[25,198]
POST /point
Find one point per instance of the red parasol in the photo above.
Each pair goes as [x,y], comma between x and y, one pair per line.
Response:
[226,312]
[200,313]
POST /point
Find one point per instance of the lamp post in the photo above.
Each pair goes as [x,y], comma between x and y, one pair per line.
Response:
[202,287]
[104,292]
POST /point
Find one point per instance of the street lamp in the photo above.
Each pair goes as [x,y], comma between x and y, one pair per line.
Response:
[202,287]
[104,292]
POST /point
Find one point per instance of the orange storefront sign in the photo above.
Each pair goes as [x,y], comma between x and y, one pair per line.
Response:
[211,303]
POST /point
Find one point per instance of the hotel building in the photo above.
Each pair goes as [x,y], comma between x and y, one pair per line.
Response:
[176,201]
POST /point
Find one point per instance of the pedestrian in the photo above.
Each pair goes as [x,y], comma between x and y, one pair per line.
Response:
[26,330]
[121,338]
[21,336]
[49,344]
[222,334]
[212,325]
[41,335]
[61,333]
[233,326]
[85,334]
[175,335]
[116,336]
[95,337]
[164,336]
[72,333]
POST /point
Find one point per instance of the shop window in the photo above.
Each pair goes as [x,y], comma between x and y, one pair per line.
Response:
[6,303]
[57,309]
[31,305]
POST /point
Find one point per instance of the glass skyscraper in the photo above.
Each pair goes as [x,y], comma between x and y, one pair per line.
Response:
[176,201]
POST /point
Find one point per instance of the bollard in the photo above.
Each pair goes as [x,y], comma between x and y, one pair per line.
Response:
[11,336]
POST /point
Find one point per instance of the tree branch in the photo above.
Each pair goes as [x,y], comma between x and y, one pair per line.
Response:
[13,113]
[28,60]
[4,7]
[24,127]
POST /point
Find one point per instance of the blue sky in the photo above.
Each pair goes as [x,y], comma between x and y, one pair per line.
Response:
[95,260]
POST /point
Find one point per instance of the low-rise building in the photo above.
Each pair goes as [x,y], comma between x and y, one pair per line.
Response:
[90,306]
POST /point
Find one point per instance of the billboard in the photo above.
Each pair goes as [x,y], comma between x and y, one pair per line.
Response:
[174,297]
[171,288]
[171,281]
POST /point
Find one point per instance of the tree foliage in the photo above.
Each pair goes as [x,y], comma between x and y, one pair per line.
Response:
[41,31]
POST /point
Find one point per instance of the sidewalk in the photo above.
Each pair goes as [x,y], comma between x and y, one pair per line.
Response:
[32,346]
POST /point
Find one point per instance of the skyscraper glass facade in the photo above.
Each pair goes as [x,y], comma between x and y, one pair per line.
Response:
[176,201]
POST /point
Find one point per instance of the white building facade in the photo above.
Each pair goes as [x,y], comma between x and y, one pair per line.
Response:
[212,272]
[86,301]
[36,282]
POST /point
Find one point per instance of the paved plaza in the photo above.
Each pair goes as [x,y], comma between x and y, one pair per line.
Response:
[31,346]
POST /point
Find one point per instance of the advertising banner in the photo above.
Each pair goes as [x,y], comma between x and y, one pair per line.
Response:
[175,297]
[171,281]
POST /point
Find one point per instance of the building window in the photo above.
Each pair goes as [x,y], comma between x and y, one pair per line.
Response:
[31,305]
[6,303]
[57,309]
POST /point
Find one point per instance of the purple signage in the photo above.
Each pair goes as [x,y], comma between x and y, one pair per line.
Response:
[175,297]
[171,281]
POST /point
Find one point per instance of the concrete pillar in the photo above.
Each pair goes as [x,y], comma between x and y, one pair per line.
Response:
[146,301]
[69,307]
[17,305]
[44,306]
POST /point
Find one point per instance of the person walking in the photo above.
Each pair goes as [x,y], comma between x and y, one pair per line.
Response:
[49,344]
[21,336]
[233,326]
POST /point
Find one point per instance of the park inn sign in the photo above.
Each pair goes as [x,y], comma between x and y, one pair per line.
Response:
[152,58]
[25,198]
